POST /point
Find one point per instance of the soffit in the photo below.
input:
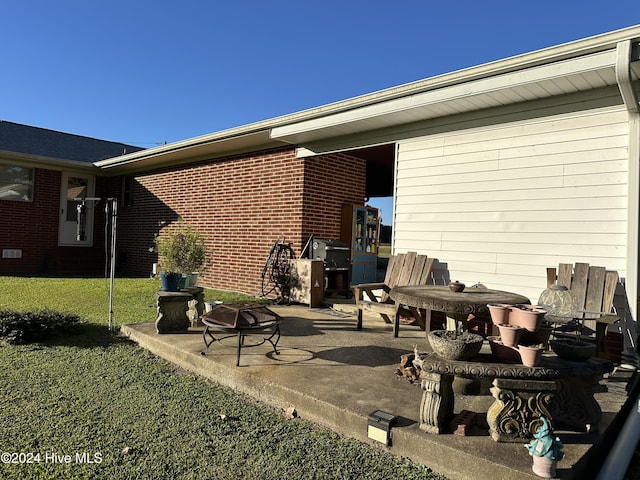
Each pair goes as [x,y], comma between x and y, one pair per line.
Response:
[565,77]
[209,147]
[563,69]
[49,163]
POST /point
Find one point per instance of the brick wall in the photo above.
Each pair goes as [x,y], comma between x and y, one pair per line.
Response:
[329,182]
[33,227]
[242,204]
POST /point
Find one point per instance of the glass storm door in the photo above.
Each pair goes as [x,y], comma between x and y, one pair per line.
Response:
[75,185]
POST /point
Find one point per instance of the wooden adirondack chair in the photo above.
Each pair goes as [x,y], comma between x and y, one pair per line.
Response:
[594,289]
[403,269]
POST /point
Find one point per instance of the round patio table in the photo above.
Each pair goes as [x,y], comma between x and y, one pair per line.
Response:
[456,305]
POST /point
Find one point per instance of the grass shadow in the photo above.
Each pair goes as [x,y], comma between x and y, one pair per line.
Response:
[89,335]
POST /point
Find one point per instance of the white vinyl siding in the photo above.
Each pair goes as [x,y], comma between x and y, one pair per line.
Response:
[499,204]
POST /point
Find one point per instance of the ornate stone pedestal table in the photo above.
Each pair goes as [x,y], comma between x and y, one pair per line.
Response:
[559,389]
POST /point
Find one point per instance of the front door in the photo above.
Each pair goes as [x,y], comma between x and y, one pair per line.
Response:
[75,185]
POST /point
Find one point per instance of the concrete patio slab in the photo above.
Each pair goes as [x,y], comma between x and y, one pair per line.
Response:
[336,376]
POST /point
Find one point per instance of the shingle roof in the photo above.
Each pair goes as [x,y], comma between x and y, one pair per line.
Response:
[25,139]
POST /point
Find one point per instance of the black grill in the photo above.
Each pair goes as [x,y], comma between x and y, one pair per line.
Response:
[335,254]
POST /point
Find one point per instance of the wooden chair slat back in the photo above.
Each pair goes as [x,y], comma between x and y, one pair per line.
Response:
[552,275]
[416,272]
[579,283]
[594,287]
[390,268]
[565,271]
[425,276]
[595,292]
[407,269]
[610,285]
[397,269]
[394,270]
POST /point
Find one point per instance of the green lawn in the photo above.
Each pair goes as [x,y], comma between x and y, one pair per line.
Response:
[384,252]
[94,406]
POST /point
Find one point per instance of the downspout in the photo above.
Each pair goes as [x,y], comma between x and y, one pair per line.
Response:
[395,198]
[617,460]
[624,54]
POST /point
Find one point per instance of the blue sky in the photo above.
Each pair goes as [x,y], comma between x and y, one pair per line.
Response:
[148,71]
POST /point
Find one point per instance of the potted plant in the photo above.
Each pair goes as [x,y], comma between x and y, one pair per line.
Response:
[503,352]
[530,354]
[526,316]
[510,334]
[181,251]
[499,313]
[573,348]
[541,335]
[545,450]
[452,345]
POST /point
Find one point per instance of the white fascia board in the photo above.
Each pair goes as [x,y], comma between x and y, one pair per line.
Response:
[212,144]
[598,43]
[48,163]
[512,80]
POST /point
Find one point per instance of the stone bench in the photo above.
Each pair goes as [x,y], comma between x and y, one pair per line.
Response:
[561,390]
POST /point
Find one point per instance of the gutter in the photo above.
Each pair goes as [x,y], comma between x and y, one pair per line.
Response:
[51,163]
[625,54]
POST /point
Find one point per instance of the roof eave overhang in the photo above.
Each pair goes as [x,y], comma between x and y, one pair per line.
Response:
[543,80]
[219,144]
[492,84]
[49,163]
[566,68]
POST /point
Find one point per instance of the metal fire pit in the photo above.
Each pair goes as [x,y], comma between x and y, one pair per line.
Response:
[244,319]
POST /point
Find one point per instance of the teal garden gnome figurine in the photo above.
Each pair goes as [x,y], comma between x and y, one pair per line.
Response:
[545,450]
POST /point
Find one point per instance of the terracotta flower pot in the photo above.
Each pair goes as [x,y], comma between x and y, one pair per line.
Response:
[502,352]
[541,336]
[530,355]
[526,316]
[510,334]
[499,313]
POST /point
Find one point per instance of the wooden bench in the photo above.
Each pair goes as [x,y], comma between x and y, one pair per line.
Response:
[403,269]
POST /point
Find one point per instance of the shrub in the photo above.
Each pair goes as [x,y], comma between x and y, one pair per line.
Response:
[24,327]
[181,249]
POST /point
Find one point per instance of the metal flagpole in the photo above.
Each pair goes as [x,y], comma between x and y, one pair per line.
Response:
[112,203]
[111,212]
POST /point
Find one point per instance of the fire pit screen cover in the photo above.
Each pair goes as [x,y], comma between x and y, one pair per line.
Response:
[241,315]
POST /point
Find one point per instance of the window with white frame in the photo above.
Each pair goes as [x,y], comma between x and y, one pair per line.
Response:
[16,183]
